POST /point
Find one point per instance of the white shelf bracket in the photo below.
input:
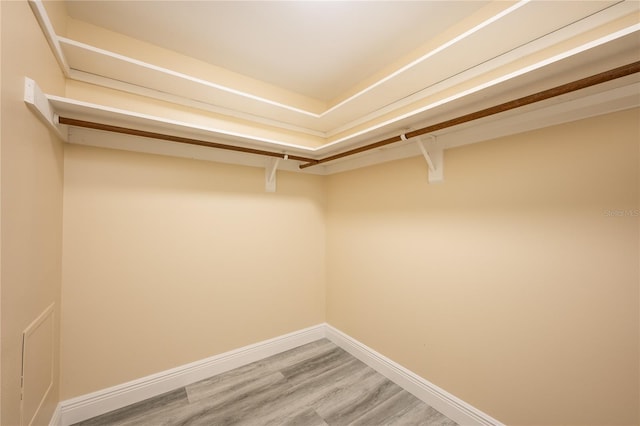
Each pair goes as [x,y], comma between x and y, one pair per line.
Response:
[270,174]
[37,101]
[435,158]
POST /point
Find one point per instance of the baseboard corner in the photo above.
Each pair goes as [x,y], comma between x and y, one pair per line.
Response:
[448,404]
[56,418]
[94,404]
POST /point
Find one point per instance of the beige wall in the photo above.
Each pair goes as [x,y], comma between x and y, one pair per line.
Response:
[514,285]
[509,285]
[168,261]
[31,206]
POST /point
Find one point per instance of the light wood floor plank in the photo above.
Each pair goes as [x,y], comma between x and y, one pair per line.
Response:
[317,384]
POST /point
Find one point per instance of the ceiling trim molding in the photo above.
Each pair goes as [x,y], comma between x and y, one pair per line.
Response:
[353,134]
[58,43]
[562,35]
[84,62]
[66,41]
[49,33]
[193,86]
[97,80]
[520,72]
[63,41]
[429,54]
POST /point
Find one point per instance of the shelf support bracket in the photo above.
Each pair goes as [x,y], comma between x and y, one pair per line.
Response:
[434,155]
[37,102]
[270,174]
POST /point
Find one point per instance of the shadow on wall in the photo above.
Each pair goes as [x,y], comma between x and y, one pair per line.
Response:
[136,171]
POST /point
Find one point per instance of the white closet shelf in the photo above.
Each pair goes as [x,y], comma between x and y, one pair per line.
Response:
[158,131]
[594,101]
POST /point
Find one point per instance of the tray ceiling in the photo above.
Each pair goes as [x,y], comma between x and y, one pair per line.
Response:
[319,49]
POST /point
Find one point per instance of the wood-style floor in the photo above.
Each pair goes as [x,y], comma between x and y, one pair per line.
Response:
[314,384]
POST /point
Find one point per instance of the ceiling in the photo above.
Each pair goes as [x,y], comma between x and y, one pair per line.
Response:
[317,77]
[319,49]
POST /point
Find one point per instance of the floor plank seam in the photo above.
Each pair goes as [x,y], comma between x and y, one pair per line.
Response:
[317,384]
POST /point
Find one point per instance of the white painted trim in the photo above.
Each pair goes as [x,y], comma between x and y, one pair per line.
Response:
[270,174]
[59,40]
[335,144]
[559,36]
[97,138]
[47,314]
[100,402]
[431,53]
[527,119]
[449,405]
[118,115]
[38,102]
[145,66]
[56,418]
[189,102]
[489,84]
[49,33]
[580,26]
[549,113]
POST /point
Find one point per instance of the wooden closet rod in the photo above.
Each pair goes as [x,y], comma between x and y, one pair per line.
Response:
[583,83]
[161,136]
[593,80]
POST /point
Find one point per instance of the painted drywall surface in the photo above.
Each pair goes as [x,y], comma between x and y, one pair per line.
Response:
[513,284]
[169,261]
[58,15]
[149,53]
[31,186]
[0,215]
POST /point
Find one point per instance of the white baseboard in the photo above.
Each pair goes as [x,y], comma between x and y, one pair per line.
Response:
[56,418]
[101,402]
[449,405]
